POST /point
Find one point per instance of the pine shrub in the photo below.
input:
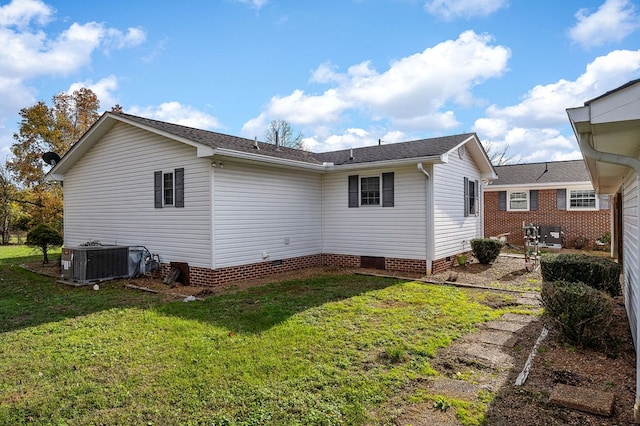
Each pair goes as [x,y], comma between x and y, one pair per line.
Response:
[595,271]
[582,313]
[486,250]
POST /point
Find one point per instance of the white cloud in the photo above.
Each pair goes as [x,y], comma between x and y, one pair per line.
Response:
[412,94]
[612,22]
[175,112]
[452,9]
[531,127]
[28,51]
[20,13]
[257,4]
[103,88]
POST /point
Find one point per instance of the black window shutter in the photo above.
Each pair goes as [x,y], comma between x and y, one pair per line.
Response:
[562,199]
[466,196]
[353,191]
[502,200]
[605,202]
[477,197]
[179,183]
[387,190]
[533,199]
[157,189]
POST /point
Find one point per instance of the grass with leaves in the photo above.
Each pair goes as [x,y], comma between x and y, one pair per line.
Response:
[330,350]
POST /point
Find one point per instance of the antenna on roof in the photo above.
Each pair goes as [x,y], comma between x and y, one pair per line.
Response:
[379,142]
[255,142]
[277,141]
[51,158]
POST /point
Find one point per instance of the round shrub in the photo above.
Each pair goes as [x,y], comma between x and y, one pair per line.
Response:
[595,271]
[582,313]
[486,250]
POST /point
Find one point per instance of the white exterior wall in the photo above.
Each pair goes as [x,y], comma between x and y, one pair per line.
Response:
[631,251]
[109,196]
[450,224]
[261,209]
[397,232]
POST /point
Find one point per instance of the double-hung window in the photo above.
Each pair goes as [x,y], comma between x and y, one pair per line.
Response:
[518,200]
[169,188]
[371,190]
[582,199]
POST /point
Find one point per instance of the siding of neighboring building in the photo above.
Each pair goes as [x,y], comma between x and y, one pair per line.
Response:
[452,227]
[397,232]
[261,209]
[591,224]
[631,251]
[109,196]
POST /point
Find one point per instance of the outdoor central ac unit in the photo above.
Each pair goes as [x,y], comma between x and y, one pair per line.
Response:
[94,263]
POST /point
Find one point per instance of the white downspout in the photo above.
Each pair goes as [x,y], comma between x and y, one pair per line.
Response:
[428,228]
[584,140]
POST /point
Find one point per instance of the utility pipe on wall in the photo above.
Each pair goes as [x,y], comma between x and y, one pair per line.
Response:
[428,229]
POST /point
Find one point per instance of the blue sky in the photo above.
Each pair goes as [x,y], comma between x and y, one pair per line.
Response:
[346,73]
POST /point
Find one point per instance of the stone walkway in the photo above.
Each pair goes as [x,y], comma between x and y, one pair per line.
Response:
[487,353]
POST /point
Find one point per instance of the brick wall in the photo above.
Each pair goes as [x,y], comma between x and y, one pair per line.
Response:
[591,224]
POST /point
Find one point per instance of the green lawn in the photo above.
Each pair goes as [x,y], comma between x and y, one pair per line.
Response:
[325,351]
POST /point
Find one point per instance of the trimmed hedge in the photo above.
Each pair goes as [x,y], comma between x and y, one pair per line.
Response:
[486,250]
[581,312]
[595,271]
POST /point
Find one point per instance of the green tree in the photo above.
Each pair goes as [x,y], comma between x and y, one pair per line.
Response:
[43,238]
[56,128]
[281,131]
[45,128]
[7,192]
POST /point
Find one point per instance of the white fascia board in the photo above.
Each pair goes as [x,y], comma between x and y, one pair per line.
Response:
[434,159]
[498,187]
[268,159]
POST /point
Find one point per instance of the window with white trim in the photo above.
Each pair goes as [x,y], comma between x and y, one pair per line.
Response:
[169,188]
[582,199]
[371,190]
[518,200]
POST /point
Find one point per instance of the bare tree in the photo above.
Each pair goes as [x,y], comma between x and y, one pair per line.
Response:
[280,133]
[500,155]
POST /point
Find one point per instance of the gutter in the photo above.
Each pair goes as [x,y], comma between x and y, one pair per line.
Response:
[584,141]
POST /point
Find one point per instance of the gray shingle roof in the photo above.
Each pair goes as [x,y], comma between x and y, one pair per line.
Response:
[394,151]
[534,173]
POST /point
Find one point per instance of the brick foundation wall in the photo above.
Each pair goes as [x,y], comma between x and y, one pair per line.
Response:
[591,224]
[441,265]
[223,277]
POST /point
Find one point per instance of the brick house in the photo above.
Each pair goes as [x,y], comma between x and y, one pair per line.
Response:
[551,195]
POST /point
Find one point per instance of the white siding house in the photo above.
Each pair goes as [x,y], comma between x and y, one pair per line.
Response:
[233,208]
[608,132]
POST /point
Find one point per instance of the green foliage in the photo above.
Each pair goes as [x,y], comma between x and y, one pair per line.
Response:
[486,250]
[595,271]
[43,238]
[581,312]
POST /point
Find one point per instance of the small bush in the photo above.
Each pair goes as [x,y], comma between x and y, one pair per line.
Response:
[582,313]
[595,271]
[486,250]
[43,237]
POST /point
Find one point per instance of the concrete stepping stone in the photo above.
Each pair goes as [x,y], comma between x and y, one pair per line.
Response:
[524,319]
[458,389]
[488,356]
[528,301]
[583,399]
[511,326]
[494,337]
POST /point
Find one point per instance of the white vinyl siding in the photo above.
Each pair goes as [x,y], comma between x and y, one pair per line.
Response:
[109,196]
[397,231]
[451,225]
[266,211]
[631,251]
